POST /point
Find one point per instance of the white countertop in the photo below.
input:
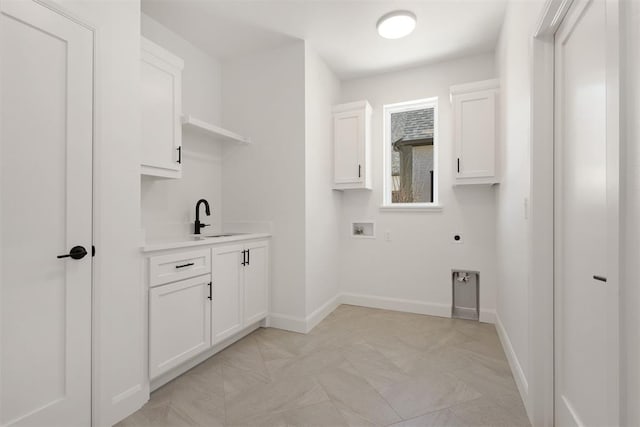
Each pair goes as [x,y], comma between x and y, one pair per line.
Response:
[194,240]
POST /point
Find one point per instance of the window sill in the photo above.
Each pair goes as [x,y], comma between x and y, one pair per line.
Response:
[413,207]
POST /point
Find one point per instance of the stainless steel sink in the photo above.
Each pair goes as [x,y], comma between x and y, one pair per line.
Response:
[211,236]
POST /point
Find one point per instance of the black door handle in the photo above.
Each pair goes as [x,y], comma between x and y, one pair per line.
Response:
[600,278]
[76,252]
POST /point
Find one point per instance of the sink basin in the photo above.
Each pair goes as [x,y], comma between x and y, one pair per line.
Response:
[211,236]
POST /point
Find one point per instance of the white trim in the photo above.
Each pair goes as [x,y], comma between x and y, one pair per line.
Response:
[399,107]
[412,207]
[474,87]
[514,363]
[487,316]
[288,323]
[396,304]
[320,313]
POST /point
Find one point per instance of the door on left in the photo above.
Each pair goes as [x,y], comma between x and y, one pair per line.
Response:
[46,137]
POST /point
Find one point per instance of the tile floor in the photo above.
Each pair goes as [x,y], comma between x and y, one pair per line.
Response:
[359,367]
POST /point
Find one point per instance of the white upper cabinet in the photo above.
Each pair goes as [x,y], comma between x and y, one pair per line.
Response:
[352,146]
[161,102]
[475,132]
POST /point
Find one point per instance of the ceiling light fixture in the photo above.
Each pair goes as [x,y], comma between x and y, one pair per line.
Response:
[396,24]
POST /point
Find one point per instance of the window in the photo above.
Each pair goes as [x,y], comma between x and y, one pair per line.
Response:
[411,154]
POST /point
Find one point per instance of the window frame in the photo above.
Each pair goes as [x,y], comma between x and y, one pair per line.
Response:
[387,185]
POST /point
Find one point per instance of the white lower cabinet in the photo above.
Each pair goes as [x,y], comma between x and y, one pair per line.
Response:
[227,266]
[240,287]
[179,323]
[256,272]
[188,317]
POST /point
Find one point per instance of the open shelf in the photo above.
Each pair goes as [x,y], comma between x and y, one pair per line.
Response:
[215,132]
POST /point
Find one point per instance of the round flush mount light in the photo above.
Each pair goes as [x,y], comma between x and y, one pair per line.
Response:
[396,24]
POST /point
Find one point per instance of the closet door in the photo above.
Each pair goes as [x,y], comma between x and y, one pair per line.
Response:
[45,217]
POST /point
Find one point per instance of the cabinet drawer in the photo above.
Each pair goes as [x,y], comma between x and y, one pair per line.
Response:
[178,266]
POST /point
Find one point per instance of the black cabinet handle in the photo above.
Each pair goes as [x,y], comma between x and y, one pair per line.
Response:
[76,252]
[248,256]
[359,171]
[458,164]
[210,291]
[184,265]
[600,278]
[244,258]
[179,154]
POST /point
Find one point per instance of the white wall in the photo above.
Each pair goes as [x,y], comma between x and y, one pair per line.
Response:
[168,206]
[630,213]
[322,204]
[415,266]
[120,381]
[513,58]
[263,98]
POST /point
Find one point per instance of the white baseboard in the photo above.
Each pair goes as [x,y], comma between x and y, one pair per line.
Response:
[304,325]
[408,306]
[487,316]
[514,363]
[323,311]
[288,323]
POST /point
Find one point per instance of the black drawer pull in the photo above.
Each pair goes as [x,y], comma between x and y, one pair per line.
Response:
[184,265]
[600,278]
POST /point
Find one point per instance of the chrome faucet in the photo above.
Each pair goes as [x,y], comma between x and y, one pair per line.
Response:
[198,224]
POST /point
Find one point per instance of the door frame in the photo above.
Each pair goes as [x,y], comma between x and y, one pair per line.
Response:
[541,245]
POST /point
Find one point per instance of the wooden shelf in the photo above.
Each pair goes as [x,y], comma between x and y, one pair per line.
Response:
[215,132]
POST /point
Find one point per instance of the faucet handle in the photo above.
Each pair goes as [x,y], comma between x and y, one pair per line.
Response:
[204,225]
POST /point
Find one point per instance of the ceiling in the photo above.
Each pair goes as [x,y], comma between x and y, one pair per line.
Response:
[342,32]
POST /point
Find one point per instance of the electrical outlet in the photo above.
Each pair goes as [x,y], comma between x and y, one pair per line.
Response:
[457,238]
[387,236]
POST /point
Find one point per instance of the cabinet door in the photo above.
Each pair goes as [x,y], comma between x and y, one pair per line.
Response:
[349,147]
[475,134]
[179,323]
[227,278]
[256,282]
[161,103]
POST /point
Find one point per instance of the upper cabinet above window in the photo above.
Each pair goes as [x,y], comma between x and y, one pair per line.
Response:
[352,146]
[475,136]
[161,102]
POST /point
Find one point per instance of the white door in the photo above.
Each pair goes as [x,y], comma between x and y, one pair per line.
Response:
[585,227]
[45,211]
[256,282]
[179,322]
[227,263]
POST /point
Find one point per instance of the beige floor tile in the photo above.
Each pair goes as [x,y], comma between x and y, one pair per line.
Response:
[359,367]
[355,397]
[486,412]
[277,396]
[427,393]
[322,414]
[441,418]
